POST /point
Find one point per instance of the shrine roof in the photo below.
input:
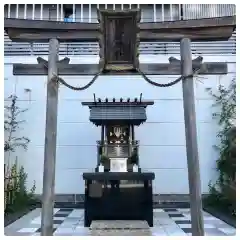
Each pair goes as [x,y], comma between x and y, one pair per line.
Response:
[110,112]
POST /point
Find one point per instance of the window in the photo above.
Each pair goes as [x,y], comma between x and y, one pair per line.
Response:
[68,13]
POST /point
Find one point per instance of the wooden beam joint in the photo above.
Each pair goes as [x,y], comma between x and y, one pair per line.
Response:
[43,62]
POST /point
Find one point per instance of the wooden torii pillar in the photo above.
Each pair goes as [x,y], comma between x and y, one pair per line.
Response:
[212,29]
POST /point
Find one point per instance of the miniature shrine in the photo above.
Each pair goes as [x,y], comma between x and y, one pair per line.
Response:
[118,189]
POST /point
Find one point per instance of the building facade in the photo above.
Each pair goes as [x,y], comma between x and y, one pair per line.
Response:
[162,137]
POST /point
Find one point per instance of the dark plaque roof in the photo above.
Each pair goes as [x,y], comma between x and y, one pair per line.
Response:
[118,112]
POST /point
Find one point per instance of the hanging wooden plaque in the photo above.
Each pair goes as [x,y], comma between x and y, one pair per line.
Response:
[119,39]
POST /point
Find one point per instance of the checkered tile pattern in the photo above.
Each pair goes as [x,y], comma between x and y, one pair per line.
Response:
[182,219]
[167,222]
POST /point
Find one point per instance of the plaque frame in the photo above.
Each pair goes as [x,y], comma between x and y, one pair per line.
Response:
[119,39]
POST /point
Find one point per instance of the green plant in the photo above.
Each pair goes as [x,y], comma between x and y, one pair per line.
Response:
[16,194]
[104,159]
[134,158]
[11,125]
[223,191]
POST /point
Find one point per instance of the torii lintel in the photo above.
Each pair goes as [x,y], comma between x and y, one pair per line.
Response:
[67,69]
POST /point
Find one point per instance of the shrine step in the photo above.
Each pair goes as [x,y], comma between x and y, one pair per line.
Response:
[119,228]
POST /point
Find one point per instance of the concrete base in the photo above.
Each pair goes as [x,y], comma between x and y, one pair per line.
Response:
[157,198]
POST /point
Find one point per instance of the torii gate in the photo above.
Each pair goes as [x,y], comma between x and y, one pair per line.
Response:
[115,38]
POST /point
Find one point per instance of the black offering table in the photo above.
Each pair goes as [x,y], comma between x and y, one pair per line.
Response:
[118,196]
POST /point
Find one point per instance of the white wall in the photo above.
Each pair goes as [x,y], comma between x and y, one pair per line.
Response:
[162,137]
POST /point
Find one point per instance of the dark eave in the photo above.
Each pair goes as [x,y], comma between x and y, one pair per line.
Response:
[109,111]
[209,29]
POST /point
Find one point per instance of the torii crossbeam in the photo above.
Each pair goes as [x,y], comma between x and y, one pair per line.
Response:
[212,29]
[209,29]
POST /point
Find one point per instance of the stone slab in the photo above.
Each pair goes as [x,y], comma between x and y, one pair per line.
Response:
[118,224]
[120,228]
[118,232]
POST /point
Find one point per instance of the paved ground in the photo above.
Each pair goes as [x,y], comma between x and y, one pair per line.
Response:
[167,222]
